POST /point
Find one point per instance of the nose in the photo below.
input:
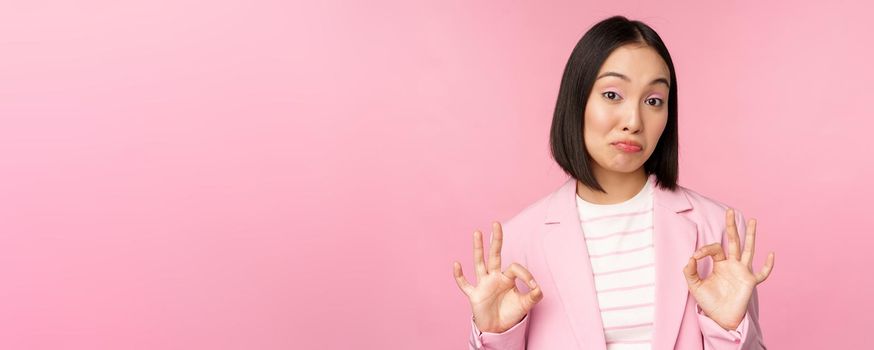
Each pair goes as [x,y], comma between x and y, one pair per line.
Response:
[631,121]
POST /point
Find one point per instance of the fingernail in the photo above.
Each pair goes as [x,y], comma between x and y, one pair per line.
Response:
[532,284]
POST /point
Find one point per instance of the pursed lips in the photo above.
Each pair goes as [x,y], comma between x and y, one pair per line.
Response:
[628,143]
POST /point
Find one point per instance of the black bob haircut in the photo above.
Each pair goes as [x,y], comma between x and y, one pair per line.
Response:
[566,134]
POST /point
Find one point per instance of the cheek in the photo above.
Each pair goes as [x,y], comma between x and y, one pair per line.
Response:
[655,132]
[597,121]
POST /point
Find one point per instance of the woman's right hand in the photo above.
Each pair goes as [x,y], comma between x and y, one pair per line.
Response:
[496,302]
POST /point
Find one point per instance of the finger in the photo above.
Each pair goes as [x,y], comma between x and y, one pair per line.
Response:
[713,249]
[733,237]
[532,297]
[766,270]
[495,248]
[691,272]
[518,271]
[462,282]
[750,244]
[478,262]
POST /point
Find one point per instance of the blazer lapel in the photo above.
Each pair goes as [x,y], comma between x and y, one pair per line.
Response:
[674,240]
[568,259]
[567,256]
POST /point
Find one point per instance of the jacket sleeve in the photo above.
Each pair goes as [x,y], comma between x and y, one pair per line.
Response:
[511,339]
[748,335]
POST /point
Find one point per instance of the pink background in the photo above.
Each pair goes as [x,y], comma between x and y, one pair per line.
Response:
[241,175]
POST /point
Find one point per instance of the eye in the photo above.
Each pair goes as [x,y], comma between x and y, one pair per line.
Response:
[657,101]
[610,95]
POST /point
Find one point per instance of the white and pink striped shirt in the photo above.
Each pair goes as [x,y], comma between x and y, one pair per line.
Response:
[620,244]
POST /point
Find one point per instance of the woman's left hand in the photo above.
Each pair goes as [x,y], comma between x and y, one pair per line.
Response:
[725,293]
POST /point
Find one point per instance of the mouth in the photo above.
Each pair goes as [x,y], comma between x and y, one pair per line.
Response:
[627,146]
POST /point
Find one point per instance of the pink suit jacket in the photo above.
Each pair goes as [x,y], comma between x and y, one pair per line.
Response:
[547,238]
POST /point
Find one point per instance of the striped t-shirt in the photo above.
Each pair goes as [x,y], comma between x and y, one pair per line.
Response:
[620,244]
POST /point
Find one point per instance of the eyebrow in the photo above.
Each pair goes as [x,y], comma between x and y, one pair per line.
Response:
[623,77]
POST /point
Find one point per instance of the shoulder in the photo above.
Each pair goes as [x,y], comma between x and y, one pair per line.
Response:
[519,228]
[704,204]
[533,214]
[706,211]
[531,218]
[709,215]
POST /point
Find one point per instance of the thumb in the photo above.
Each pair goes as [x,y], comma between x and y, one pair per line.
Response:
[691,272]
[532,297]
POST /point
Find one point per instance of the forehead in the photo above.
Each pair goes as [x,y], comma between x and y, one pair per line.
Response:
[637,61]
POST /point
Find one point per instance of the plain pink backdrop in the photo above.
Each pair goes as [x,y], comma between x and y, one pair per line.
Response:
[271,175]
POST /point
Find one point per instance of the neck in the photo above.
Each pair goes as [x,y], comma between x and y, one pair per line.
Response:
[620,187]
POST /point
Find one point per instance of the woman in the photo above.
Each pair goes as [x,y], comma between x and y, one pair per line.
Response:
[615,258]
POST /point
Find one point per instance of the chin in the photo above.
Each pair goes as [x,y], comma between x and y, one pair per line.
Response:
[624,168]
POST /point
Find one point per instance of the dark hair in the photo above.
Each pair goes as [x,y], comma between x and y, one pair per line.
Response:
[566,135]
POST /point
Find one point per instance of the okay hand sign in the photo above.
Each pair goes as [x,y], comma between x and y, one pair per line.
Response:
[496,302]
[725,293]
